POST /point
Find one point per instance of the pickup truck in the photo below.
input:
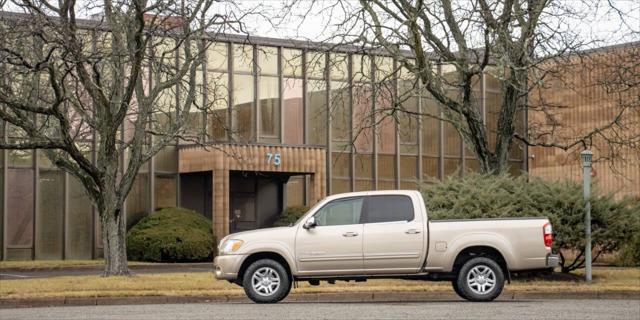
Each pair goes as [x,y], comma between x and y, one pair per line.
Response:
[384,234]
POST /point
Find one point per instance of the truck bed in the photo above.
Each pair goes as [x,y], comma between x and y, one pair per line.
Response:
[519,240]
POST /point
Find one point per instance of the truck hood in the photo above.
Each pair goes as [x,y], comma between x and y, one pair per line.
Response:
[262,234]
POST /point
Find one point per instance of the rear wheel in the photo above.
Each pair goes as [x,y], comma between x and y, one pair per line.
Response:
[479,279]
[266,281]
[454,283]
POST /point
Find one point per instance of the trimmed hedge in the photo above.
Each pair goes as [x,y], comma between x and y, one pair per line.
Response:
[614,222]
[171,235]
[290,215]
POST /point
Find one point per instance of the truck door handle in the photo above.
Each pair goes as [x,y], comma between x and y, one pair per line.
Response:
[350,234]
[412,231]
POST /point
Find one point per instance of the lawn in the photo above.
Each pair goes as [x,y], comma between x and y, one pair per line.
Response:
[203,284]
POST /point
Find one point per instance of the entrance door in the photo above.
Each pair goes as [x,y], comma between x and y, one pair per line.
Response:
[243,212]
[335,243]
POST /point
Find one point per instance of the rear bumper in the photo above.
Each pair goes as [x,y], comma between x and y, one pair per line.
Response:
[226,267]
[553,260]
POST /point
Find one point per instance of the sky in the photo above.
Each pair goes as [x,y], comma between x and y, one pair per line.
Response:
[601,22]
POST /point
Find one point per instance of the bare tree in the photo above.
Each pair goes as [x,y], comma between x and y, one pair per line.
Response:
[109,84]
[450,46]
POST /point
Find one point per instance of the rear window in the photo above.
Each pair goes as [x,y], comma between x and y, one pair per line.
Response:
[389,208]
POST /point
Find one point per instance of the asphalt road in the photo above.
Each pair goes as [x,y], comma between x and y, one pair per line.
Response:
[533,309]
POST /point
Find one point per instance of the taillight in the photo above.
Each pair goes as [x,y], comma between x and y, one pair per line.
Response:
[547,234]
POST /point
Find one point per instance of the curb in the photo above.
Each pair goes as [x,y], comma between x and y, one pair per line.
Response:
[352,297]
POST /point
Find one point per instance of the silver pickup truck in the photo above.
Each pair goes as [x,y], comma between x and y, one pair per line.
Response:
[384,234]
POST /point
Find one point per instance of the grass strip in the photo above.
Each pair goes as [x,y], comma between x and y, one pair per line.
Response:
[204,284]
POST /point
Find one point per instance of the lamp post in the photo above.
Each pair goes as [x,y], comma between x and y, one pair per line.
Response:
[586,156]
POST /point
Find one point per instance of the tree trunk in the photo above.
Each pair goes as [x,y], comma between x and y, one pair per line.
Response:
[114,230]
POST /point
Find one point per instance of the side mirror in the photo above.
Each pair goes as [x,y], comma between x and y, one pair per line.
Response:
[310,223]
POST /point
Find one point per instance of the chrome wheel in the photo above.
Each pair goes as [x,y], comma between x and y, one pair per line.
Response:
[265,281]
[481,279]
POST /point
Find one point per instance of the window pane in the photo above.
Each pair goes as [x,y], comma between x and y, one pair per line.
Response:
[340,212]
[451,167]
[295,191]
[361,68]
[138,199]
[217,107]
[363,185]
[80,218]
[316,64]
[269,107]
[19,158]
[386,166]
[408,119]
[50,217]
[452,142]
[292,63]
[165,192]
[340,164]
[492,111]
[339,66]
[340,113]
[242,58]
[340,185]
[384,68]
[317,112]
[20,207]
[194,120]
[408,167]
[429,168]
[243,107]
[363,118]
[217,53]
[389,208]
[386,122]
[293,115]
[363,166]
[167,159]
[430,127]
[268,60]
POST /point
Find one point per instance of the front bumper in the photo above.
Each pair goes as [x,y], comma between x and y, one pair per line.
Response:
[553,260]
[226,267]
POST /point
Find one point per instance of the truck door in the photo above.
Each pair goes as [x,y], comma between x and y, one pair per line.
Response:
[393,235]
[334,245]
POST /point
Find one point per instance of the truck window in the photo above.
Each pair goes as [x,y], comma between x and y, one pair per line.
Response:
[389,208]
[340,212]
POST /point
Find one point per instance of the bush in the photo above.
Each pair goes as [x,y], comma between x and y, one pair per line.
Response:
[614,222]
[290,215]
[171,235]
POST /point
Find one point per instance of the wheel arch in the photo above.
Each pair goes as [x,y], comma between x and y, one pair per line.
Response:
[490,252]
[264,255]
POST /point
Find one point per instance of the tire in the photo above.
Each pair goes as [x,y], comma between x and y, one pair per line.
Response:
[454,284]
[266,281]
[480,279]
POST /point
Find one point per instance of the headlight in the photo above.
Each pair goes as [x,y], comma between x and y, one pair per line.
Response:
[230,246]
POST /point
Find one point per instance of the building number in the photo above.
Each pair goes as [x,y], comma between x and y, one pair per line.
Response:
[273,158]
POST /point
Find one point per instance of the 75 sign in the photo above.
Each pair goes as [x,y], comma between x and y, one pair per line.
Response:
[274,158]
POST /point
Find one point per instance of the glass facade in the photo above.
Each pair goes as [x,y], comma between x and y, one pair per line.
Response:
[381,130]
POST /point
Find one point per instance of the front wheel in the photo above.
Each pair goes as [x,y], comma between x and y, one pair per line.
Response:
[480,279]
[266,281]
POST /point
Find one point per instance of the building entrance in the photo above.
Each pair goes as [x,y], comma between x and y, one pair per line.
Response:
[255,199]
